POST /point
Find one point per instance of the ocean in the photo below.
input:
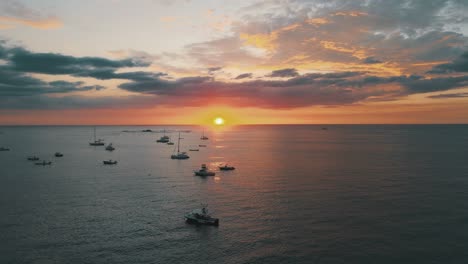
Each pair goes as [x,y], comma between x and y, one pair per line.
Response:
[299,194]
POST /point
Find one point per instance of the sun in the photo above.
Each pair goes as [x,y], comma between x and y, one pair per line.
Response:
[219,121]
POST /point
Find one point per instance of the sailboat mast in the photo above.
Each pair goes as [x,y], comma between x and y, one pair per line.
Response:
[178,144]
[94,134]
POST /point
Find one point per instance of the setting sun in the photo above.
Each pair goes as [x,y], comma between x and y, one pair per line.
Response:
[218,121]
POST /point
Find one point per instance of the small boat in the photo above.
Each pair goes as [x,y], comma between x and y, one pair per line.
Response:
[4,149]
[203,171]
[170,143]
[96,142]
[33,158]
[324,128]
[203,137]
[201,217]
[147,130]
[194,149]
[110,147]
[109,162]
[179,155]
[163,139]
[226,167]
[58,154]
[43,163]
[202,146]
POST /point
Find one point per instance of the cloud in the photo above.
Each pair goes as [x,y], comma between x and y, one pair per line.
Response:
[460,64]
[451,95]
[371,60]
[283,73]
[243,76]
[13,13]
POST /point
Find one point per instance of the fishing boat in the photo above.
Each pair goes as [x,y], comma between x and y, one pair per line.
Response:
[4,149]
[201,217]
[203,137]
[110,147]
[203,171]
[164,138]
[33,158]
[109,162]
[226,167]
[96,142]
[179,155]
[58,154]
[43,163]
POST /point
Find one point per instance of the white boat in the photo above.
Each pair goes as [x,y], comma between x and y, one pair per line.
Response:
[203,171]
[164,138]
[179,155]
[110,147]
[96,142]
[201,217]
[203,137]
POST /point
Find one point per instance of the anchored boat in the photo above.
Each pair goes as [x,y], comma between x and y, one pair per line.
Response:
[201,217]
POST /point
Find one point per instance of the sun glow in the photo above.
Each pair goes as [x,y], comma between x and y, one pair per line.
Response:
[218,121]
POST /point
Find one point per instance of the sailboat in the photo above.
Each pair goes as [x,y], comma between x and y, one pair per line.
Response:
[164,138]
[96,142]
[179,155]
[203,137]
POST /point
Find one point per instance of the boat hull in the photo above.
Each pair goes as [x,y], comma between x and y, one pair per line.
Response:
[227,168]
[196,221]
[204,174]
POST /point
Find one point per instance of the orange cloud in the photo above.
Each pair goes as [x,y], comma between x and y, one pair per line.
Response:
[46,23]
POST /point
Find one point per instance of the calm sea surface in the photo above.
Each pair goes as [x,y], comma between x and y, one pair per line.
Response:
[299,194]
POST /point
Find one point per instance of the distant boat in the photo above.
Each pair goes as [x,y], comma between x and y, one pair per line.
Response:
[4,149]
[170,143]
[147,130]
[109,162]
[179,155]
[194,150]
[202,146]
[164,138]
[43,163]
[110,147]
[203,137]
[33,158]
[324,128]
[203,171]
[226,167]
[201,216]
[58,154]
[96,142]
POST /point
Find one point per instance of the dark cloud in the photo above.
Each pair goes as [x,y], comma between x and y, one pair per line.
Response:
[451,95]
[371,60]
[283,73]
[243,76]
[460,64]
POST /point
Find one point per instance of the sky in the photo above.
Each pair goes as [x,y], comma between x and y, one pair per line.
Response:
[146,62]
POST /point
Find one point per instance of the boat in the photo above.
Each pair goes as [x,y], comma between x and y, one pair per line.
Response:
[164,138]
[179,155]
[147,130]
[58,154]
[109,162]
[201,217]
[43,163]
[96,142]
[170,143]
[110,147]
[203,137]
[202,146]
[4,149]
[33,158]
[226,167]
[203,171]
[194,149]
